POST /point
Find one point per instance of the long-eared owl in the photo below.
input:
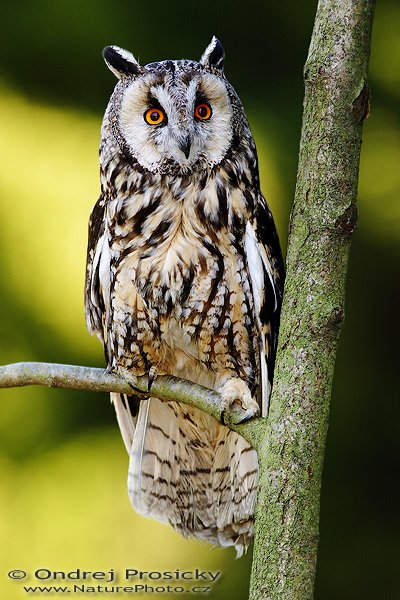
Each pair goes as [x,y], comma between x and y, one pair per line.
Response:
[184,277]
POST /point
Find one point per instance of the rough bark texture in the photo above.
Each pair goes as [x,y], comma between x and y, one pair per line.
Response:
[323,219]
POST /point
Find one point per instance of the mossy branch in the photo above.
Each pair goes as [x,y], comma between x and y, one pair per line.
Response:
[165,387]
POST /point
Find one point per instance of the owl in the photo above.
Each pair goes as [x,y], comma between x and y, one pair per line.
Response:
[184,277]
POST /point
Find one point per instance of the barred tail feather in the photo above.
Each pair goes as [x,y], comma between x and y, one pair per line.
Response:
[189,470]
[153,461]
[235,477]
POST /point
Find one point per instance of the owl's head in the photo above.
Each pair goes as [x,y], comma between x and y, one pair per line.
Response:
[173,115]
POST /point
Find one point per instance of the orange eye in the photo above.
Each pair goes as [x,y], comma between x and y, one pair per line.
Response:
[203,112]
[154,116]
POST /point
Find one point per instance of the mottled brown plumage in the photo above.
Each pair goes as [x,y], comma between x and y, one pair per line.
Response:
[184,276]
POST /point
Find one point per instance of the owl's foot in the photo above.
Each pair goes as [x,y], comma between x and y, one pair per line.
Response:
[133,380]
[239,406]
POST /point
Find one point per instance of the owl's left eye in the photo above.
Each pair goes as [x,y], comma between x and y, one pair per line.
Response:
[154,116]
[203,111]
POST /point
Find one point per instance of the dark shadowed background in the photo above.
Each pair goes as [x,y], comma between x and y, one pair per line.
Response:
[63,500]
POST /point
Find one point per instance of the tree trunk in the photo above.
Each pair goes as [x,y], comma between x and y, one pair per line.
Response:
[322,221]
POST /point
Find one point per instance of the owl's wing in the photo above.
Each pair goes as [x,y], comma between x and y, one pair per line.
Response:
[97,292]
[267,273]
[94,299]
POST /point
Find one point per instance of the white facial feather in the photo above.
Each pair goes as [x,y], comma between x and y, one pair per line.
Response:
[151,145]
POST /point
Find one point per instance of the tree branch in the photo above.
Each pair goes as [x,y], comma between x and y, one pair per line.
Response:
[165,387]
[323,218]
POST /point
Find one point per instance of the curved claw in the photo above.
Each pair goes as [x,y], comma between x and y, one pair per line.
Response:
[136,389]
[132,380]
[234,416]
[246,419]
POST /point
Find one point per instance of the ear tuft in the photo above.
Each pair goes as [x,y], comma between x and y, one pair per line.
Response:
[121,62]
[214,55]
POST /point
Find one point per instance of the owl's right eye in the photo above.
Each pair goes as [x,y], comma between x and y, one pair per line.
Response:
[154,116]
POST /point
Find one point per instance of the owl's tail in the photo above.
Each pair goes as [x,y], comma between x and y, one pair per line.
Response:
[190,471]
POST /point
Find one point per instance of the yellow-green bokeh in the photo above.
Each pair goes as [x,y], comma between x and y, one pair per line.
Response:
[63,467]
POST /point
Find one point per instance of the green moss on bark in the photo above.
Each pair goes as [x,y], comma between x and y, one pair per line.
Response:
[323,219]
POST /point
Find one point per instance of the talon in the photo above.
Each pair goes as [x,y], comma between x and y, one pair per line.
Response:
[222,417]
[239,405]
[132,380]
[246,419]
[136,389]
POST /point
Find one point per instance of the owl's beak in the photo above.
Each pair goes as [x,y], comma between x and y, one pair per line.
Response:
[185,145]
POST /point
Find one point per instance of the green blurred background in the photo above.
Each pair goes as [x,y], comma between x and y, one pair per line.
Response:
[63,466]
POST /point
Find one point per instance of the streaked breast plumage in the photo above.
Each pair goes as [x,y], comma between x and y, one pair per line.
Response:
[184,277]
